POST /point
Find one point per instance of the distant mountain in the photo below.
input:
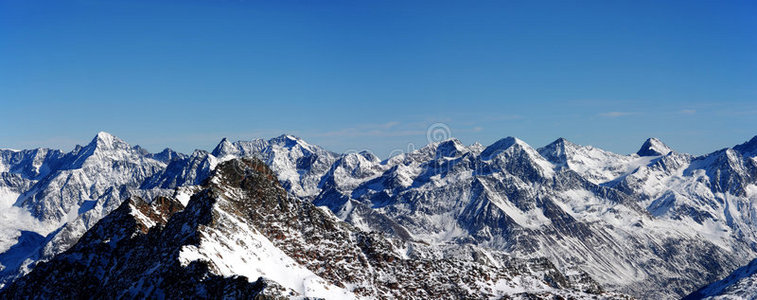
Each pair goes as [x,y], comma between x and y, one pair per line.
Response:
[241,236]
[657,223]
[64,194]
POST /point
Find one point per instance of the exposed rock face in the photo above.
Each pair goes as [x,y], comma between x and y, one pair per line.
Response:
[654,147]
[129,254]
[64,194]
[218,246]
[657,223]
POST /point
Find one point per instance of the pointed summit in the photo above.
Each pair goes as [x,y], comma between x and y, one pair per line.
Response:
[140,150]
[559,144]
[654,147]
[224,148]
[288,141]
[450,148]
[499,146]
[369,156]
[557,152]
[107,141]
[167,155]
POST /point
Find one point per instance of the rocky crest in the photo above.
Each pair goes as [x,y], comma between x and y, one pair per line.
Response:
[657,223]
[219,246]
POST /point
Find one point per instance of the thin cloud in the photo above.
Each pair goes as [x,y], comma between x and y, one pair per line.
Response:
[687,111]
[504,117]
[354,132]
[388,125]
[614,114]
[393,128]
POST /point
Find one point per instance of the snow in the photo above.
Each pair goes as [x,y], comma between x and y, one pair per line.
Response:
[654,147]
[519,284]
[183,194]
[249,253]
[15,219]
[666,186]
[533,218]
[599,166]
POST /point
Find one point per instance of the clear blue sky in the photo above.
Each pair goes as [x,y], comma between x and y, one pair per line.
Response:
[364,75]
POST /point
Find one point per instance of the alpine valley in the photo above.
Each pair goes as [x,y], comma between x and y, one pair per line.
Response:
[281,218]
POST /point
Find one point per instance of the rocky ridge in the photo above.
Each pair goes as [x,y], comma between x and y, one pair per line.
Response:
[223,242]
[649,223]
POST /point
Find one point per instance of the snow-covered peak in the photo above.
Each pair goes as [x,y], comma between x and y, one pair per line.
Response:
[594,164]
[370,156]
[141,150]
[476,148]
[501,145]
[107,141]
[450,148]
[654,147]
[224,148]
[748,149]
[509,150]
[558,151]
[167,155]
[288,141]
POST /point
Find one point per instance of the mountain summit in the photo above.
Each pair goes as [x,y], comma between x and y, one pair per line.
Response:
[242,236]
[447,219]
[653,147]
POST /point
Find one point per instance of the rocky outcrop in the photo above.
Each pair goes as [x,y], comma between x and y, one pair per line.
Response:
[241,220]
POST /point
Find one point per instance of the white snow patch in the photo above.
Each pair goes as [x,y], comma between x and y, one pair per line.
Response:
[248,253]
[15,219]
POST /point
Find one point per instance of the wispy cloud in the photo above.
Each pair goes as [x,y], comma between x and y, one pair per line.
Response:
[614,114]
[504,117]
[687,111]
[388,125]
[390,129]
[393,128]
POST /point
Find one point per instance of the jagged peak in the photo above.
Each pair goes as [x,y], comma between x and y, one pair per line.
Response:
[451,142]
[559,144]
[235,171]
[476,148]
[654,147]
[199,153]
[288,140]
[557,151]
[104,135]
[107,141]
[291,142]
[140,150]
[167,151]
[356,157]
[563,141]
[502,145]
[369,156]
[167,155]
[224,147]
[748,148]
[450,148]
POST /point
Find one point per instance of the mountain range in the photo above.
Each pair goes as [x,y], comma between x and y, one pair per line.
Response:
[282,217]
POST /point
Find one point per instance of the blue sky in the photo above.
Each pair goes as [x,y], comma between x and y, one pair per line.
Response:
[353,75]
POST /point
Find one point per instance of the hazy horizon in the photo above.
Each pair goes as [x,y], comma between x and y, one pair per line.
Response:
[397,150]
